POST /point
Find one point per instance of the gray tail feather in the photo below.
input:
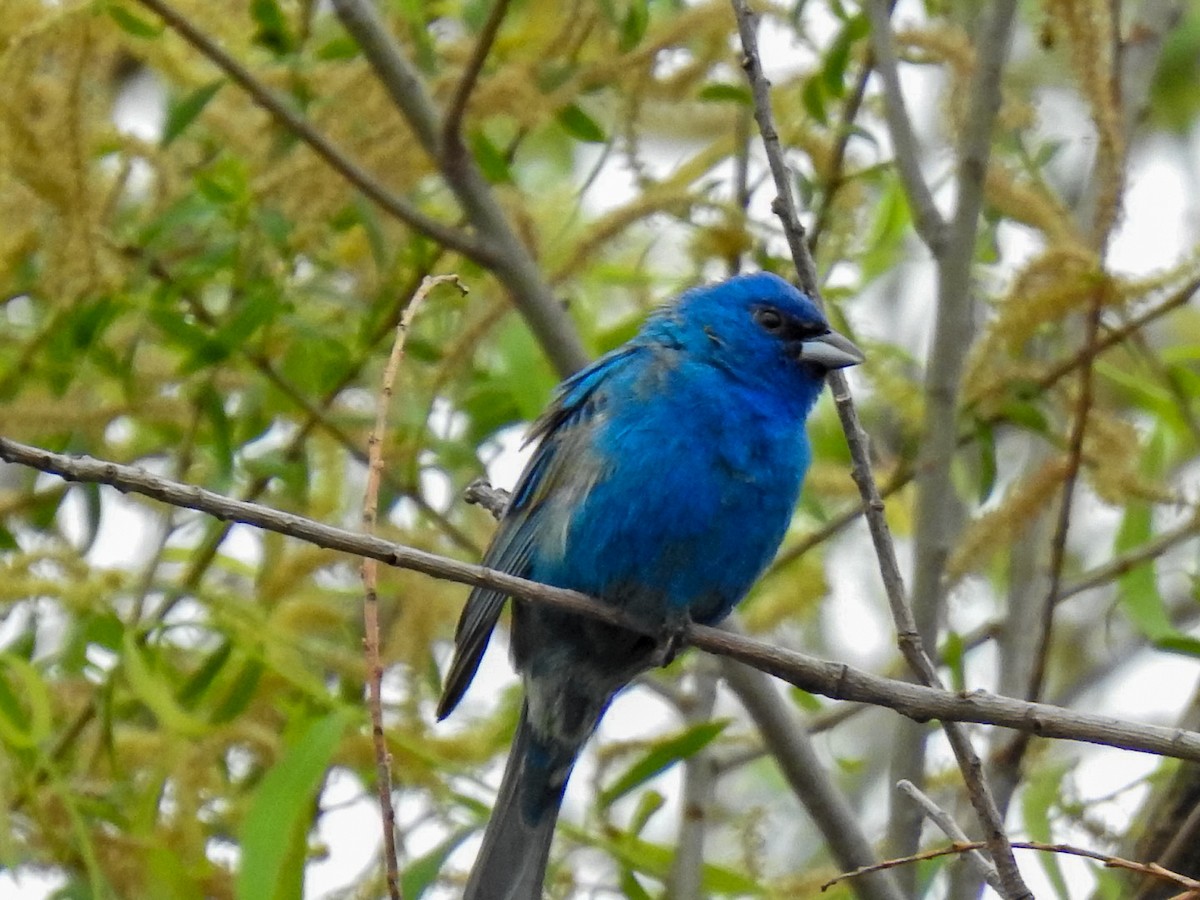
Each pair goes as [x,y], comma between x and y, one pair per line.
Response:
[516,845]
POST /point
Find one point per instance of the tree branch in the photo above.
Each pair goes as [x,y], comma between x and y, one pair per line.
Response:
[927,220]
[909,638]
[510,260]
[371,187]
[835,680]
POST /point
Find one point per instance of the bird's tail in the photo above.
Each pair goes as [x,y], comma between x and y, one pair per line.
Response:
[516,845]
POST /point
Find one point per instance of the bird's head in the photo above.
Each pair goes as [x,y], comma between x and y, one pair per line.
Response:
[758,328]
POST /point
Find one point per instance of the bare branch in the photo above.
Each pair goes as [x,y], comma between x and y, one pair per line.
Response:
[927,220]
[790,745]
[686,877]
[510,258]
[437,231]
[835,680]
[370,577]
[452,126]
[943,820]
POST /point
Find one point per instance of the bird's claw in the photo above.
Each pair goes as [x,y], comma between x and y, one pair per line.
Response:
[671,642]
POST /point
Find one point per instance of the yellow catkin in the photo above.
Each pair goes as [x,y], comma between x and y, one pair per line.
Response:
[1060,281]
[1112,461]
[1029,204]
[1087,28]
[999,527]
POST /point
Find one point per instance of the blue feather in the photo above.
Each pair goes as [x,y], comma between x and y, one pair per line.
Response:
[663,481]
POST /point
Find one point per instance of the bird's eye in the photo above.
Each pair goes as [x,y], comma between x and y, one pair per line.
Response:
[769,319]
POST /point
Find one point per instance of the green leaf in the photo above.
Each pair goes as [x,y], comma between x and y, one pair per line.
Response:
[132,24]
[833,73]
[24,703]
[985,447]
[1137,589]
[633,26]
[491,161]
[720,92]
[204,676]
[953,656]
[631,887]
[422,872]
[810,703]
[273,31]
[649,803]
[153,687]
[662,756]
[239,693]
[580,125]
[181,113]
[1040,796]
[274,832]
[812,95]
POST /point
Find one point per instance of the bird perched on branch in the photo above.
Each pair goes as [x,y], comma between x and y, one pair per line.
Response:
[663,481]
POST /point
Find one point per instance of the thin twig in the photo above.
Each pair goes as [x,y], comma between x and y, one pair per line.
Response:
[952,830]
[927,220]
[1058,544]
[444,234]
[835,680]
[510,259]
[784,207]
[837,163]
[370,577]
[1190,885]
[452,125]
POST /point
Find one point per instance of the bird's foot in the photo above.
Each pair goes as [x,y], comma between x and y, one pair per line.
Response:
[672,641]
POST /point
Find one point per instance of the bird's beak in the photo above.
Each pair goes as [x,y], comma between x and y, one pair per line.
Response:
[830,351]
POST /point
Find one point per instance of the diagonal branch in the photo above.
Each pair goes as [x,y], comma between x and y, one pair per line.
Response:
[910,638]
[371,187]
[792,748]
[452,126]
[510,259]
[927,220]
[830,679]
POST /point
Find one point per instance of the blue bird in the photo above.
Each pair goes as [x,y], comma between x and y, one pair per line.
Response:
[664,479]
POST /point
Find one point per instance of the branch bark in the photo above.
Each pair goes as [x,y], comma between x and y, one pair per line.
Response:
[973,167]
[830,679]
[509,258]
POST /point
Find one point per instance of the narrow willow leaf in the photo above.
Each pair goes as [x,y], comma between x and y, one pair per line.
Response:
[183,113]
[275,829]
[661,757]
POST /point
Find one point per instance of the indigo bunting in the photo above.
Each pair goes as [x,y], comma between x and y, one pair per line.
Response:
[663,481]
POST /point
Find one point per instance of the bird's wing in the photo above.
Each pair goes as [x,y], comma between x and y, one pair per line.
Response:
[563,431]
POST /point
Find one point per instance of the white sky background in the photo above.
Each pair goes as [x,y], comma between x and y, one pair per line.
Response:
[1158,228]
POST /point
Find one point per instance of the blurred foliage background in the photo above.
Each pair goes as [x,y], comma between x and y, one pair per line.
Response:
[186,286]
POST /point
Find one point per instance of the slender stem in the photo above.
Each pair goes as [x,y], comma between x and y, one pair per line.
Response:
[943,820]
[927,220]
[974,162]
[835,680]
[444,234]
[370,577]
[452,126]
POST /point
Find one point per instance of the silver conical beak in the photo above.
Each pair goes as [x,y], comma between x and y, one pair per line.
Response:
[831,351]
